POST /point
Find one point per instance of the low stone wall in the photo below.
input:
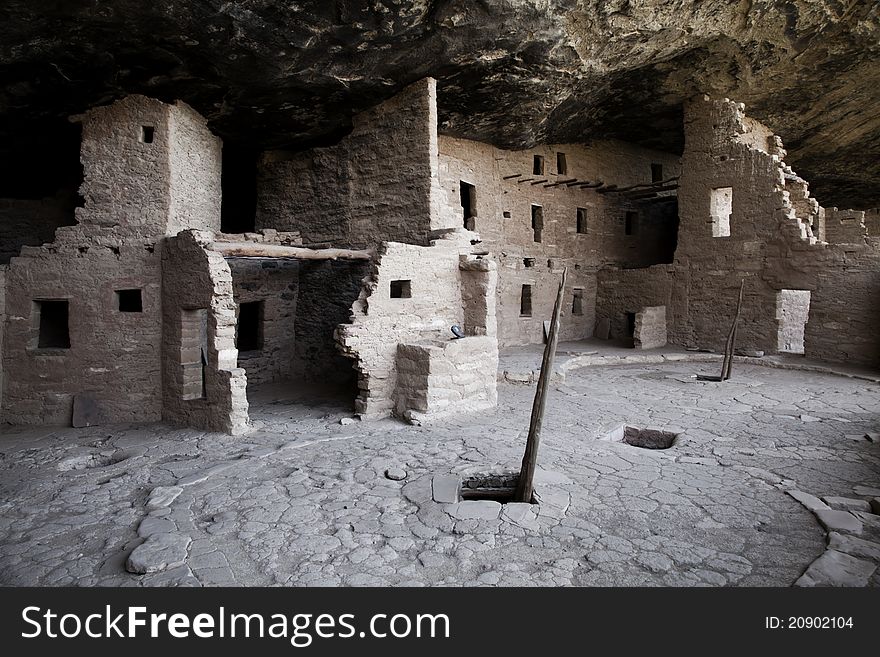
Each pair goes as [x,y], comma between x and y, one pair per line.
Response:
[650,328]
[203,386]
[442,378]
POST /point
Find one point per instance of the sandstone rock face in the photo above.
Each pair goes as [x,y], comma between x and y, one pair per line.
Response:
[511,72]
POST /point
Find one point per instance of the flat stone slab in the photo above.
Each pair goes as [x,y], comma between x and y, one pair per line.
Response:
[839,521]
[162,496]
[811,502]
[866,491]
[395,474]
[847,504]
[159,552]
[835,568]
[444,488]
[475,510]
[854,546]
[155,525]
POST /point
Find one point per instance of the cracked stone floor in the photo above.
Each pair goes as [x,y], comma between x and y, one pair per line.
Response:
[304,499]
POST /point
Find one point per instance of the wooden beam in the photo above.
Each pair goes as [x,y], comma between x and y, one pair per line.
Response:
[526,484]
[512,176]
[258,250]
[538,182]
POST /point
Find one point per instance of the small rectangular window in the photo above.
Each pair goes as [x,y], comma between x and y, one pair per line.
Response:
[538,165]
[582,221]
[401,289]
[129,301]
[537,222]
[505,214]
[656,172]
[561,164]
[525,301]
[631,223]
[468,195]
[577,301]
[54,331]
[147,133]
[720,209]
[528,263]
[249,330]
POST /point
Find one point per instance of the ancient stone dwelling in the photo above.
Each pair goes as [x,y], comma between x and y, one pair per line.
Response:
[354,261]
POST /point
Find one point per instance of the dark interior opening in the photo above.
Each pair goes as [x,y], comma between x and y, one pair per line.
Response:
[577,302]
[525,301]
[493,487]
[631,222]
[537,222]
[401,289]
[54,325]
[129,301]
[40,175]
[147,134]
[538,165]
[249,331]
[630,325]
[667,215]
[468,195]
[582,221]
[238,209]
[528,263]
[561,164]
[656,172]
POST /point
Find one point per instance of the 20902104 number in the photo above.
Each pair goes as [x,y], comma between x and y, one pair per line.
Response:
[819,622]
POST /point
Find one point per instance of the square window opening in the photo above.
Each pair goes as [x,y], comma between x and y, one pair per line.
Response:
[525,301]
[656,172]
[401,289]
[147,134]
[249,330]
[129,301]
[538,165]
[54,330]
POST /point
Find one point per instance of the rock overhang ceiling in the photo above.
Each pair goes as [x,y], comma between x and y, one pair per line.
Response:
[272,74]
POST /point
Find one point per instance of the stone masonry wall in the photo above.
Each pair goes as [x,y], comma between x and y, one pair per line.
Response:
[195,278]
[623,291]
[114,355]
[327,291]
[195,166]
[504,222]
[378,184]
[429,281]
[845,226]
[275,284]
[771,245]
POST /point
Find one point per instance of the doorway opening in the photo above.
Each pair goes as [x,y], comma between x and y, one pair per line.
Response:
[792,313]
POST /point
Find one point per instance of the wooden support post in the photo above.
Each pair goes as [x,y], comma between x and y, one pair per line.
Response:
[730,346]
[526,486]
